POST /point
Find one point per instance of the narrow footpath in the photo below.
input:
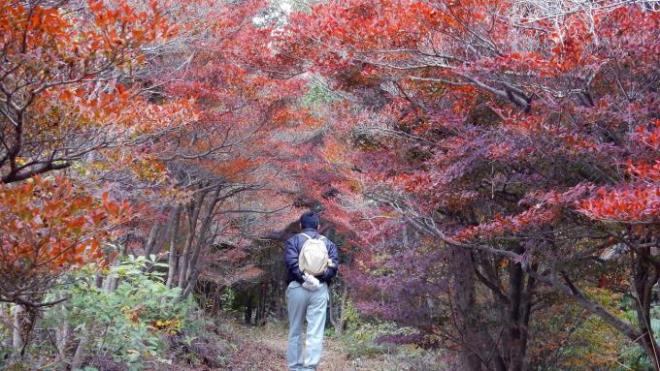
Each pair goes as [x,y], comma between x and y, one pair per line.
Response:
[264,349]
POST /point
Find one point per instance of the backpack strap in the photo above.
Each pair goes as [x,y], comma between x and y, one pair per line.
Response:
[321,237]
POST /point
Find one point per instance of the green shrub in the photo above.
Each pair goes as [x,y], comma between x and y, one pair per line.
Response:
[360,338]
[632,356]
[126,324]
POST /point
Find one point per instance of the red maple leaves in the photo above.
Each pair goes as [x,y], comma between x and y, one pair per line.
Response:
[634,204]
[49,225]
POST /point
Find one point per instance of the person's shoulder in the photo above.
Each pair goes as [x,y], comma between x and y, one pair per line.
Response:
[293,238]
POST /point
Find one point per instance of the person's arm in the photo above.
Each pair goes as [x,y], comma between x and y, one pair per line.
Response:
[291,259]
[331,272]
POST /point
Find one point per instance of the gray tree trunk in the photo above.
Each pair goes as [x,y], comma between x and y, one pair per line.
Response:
[478,350]
[62,338]
[17,330]
[173,258]
[81,349]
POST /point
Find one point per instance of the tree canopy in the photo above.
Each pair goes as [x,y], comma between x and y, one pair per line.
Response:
[489,163]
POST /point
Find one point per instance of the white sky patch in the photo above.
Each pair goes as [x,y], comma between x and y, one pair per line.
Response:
[286,6]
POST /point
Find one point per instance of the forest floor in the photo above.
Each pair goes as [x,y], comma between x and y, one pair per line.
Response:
[231,345]
[264,348]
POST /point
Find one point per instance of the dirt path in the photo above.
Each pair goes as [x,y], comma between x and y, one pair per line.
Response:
[265,348]
[334,358]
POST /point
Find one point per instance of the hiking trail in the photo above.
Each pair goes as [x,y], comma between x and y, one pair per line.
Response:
[264,348]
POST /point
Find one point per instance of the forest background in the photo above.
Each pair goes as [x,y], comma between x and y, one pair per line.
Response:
[488,168]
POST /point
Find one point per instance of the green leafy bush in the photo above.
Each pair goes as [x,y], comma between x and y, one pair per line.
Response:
[361,337]
[632,357]
[126,324]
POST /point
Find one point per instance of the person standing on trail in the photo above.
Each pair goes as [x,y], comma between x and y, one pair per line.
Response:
[311,260]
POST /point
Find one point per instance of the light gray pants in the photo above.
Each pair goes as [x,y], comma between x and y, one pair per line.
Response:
[302,305]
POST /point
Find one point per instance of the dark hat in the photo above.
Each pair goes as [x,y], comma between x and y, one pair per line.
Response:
[309,219]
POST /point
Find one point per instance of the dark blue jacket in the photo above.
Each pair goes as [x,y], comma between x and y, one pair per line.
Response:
[292,251]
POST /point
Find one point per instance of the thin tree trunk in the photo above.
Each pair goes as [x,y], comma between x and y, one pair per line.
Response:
[520,297]
[111,281]
[247,315]
[190,285]
[201,240]
[644,278]
[6,321]
[331,312]
[98,280]
[62,332]
[193,215]
[151,240]
[17,329]
[478,350]
[527,313]
[172,260]
[81,349]
[181,266]
[192,267]
[514,346]
[342,310]
[260,318]
[62,337]
[463,297]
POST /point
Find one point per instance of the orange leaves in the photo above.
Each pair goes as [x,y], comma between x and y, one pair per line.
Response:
[414,183]
[47,225]
[547,207]
[500,150]
[570,44]
[116,212]
[117,109]
[234,169]
[168,326]
[333,151]
[71,72]
[579,144]
[39,24]
[649,136]
[647,171]
[634,204]
[69,34]
[121,23]
[534,217]
[47,20]
[372,24]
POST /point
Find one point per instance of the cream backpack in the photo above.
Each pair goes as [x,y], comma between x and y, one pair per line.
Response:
[314,258]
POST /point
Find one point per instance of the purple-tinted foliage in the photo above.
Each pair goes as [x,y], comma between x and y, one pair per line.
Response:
[400,283]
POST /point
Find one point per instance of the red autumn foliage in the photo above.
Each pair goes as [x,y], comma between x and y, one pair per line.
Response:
[48,226]
[68,89]
[523,133]
[480,154]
